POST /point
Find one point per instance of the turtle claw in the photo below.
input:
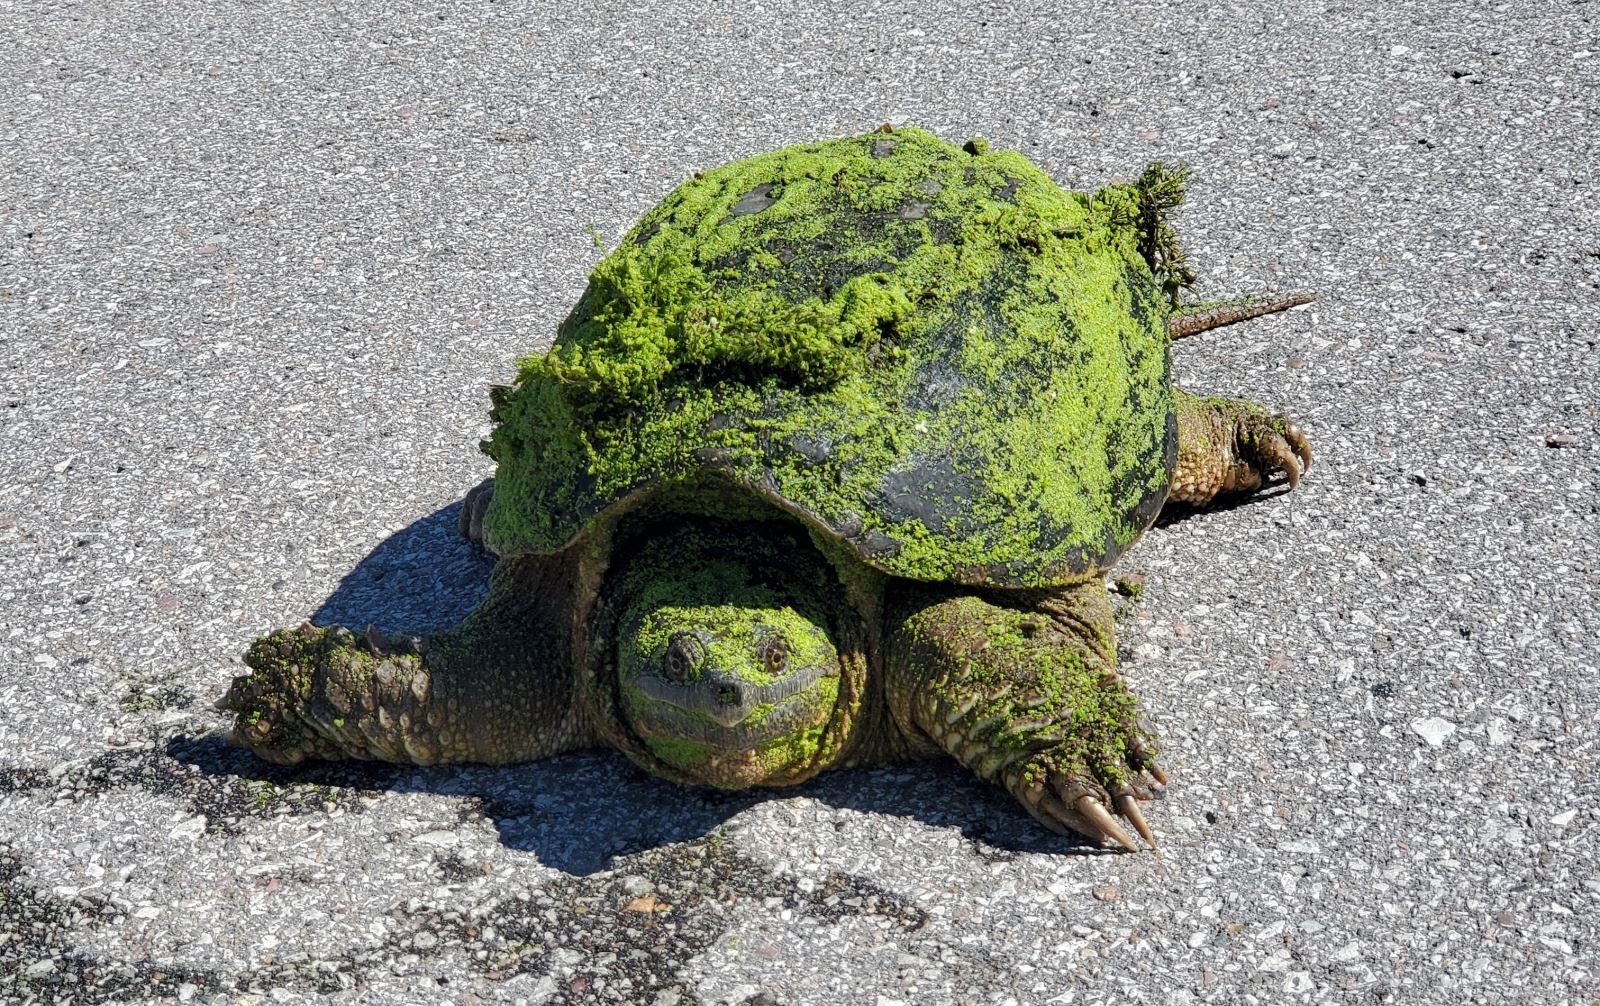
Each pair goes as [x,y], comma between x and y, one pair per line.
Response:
[1061,818]
[377,643]
[1268,446]
[1067,792]
[1049,812]
[1071,805]
[1300,445]
[1097,815]
[1232,447]
[1129,807]
[1274,446]
[1281,459]
[470,520]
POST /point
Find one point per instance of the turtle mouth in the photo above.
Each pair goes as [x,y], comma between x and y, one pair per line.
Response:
[727,713]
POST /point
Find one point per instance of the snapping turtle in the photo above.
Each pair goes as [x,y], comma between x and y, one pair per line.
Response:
[824,469]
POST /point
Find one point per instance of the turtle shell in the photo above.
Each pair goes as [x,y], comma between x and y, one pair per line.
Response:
[932,353]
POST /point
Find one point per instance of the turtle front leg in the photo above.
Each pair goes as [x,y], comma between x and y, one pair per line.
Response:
[1024,690]
[1229,446]
[498,688]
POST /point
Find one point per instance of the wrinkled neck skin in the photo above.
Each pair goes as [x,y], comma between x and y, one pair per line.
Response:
[726,654]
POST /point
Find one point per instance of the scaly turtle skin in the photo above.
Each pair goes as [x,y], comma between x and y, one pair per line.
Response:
[824,469]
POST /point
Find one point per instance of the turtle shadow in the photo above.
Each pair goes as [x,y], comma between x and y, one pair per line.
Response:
[422,578]
[576,813]
[1177,513]
[579,812]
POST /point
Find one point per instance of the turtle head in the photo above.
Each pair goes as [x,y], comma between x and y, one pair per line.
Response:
[727,670]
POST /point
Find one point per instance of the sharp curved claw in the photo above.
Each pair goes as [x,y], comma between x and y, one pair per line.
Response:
[1049,812]
[1097,815]
[1278,456]
[1130,810]
[1156,773]
[1057,815]
[1301,446]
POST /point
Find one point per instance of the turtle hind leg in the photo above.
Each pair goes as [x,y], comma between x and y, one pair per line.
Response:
[1229,446]
[470,521]
[1024,691]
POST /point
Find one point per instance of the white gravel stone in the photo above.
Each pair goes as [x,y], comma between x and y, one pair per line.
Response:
[1432,729]
[441,839]
[192,827]
[1498,732]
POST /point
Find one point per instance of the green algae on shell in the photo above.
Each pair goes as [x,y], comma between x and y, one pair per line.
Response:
[935,355]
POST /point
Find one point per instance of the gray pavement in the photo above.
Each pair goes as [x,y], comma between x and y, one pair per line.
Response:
[258,263]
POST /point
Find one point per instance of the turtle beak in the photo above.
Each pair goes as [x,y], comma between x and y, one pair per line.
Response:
[728,706]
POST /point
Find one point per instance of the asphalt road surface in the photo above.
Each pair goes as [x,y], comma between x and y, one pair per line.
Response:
[259,262]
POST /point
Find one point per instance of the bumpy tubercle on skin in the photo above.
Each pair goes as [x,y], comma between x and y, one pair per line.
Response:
[1024,691]
[468,694]
[1066,270]
[324,693]
[1230,445]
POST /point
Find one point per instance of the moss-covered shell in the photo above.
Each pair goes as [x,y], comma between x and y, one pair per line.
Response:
[932,352]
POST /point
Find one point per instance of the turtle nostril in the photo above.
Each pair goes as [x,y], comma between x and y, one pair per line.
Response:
[728,695]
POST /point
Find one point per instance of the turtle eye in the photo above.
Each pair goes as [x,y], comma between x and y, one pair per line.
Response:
[775,655]
[684,654]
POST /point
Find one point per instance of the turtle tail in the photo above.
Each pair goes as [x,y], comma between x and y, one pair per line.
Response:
[1159,191]
[1192,319]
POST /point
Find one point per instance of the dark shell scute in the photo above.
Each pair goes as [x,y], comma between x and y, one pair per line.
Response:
[815,450]
[754,201]
[931,491]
